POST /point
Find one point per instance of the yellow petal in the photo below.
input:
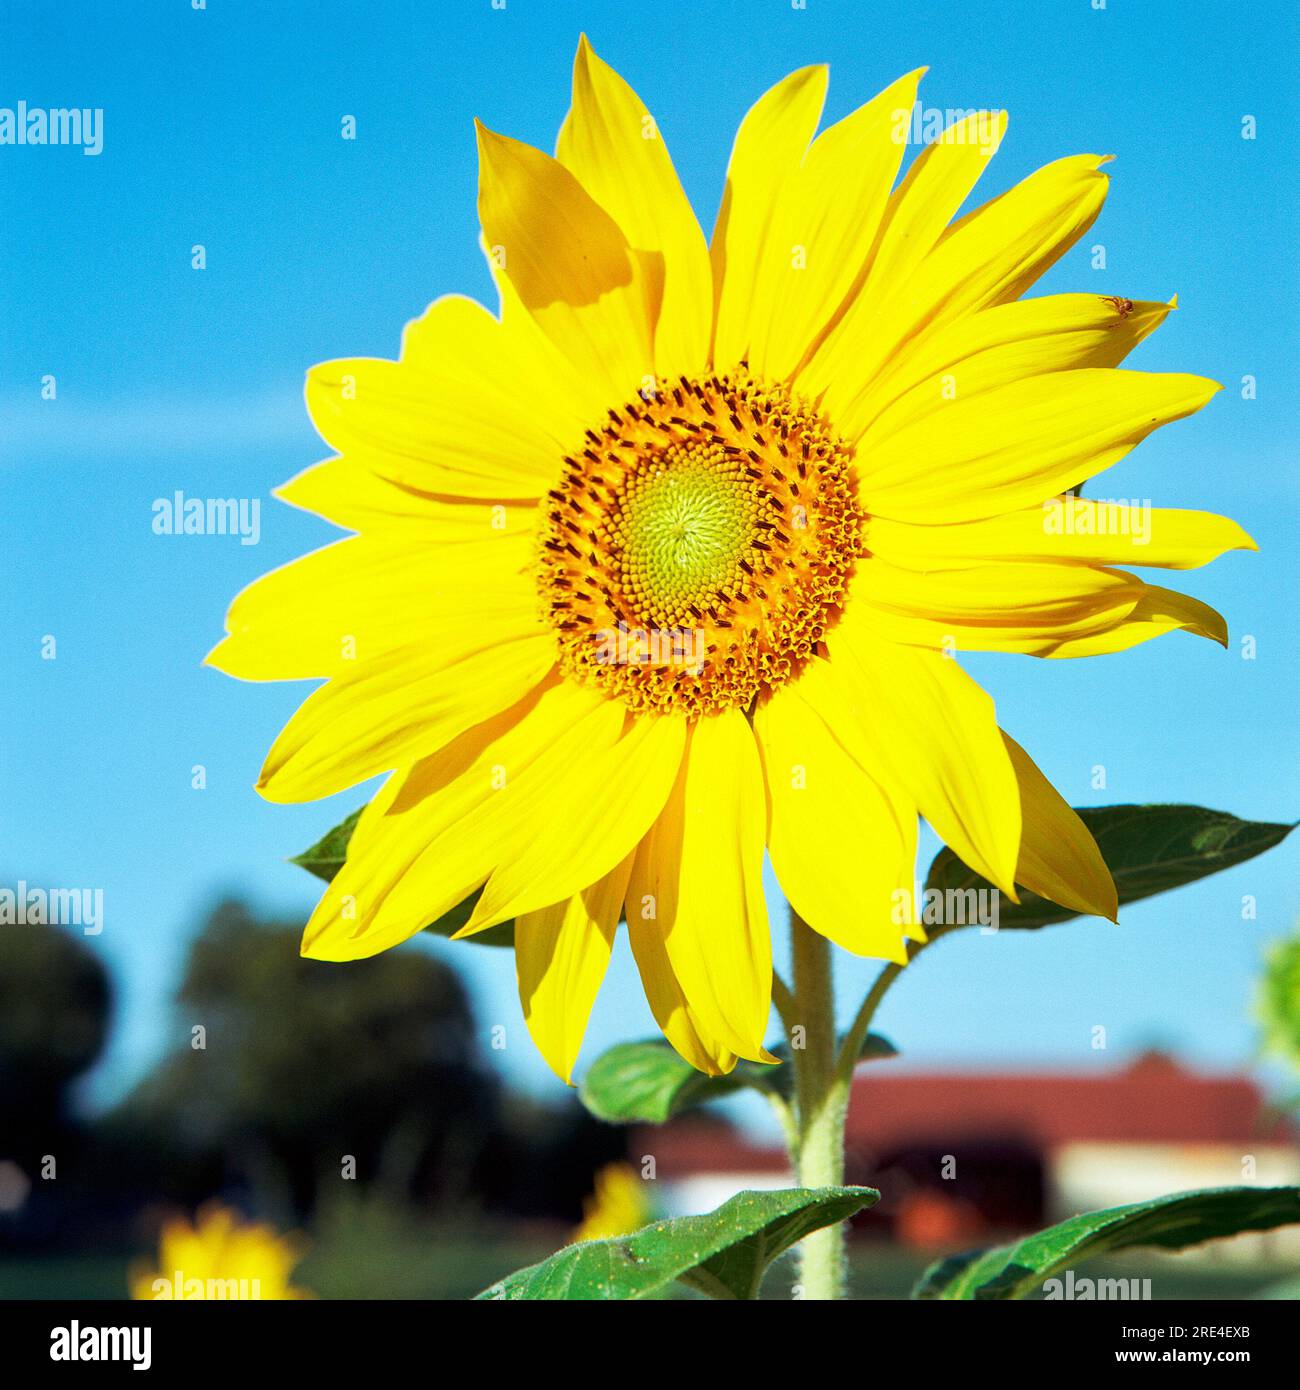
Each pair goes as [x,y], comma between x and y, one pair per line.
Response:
[537,805]
[351,495]
[568,262]
[474,408]
[993,607]
[617,771]
[698,872]
[561,955]
[1156,612]
[931,731]
[1002,344]
[767,154]
[825,222]
[612,144]
[937,184]
[399,706]
[1017,445]
[844,850]
[327,612]
[555,394]
[1059,859]
[1066,530]
[1040,610]
[679,1022]
[433,832]
[991,256]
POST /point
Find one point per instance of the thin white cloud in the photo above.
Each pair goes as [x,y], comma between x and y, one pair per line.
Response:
[36,429]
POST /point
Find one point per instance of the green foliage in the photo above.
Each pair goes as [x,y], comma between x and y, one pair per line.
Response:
[1279,1001]
[301,1058]
[1173,1223]
[54,1013]
[648,1081]
[1148,849]
[723,1254]
[326,857]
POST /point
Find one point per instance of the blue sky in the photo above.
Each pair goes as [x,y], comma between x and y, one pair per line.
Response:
[222,127]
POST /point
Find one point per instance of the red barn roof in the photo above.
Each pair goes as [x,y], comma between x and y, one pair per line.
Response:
[1152,1101]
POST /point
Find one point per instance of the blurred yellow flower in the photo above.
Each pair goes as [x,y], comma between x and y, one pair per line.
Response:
[664,567]
[220,1257]
[617,1206]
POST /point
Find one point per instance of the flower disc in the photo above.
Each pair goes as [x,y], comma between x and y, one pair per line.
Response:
[700,544]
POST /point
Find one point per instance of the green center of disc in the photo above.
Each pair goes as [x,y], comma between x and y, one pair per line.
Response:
[686,525]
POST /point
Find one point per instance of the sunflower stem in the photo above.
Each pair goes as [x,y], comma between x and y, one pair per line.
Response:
[851,1048]
[821,1097]
[823,1081]
[783,998]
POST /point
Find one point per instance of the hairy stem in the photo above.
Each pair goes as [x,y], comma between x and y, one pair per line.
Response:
[823,1080]
[820,1103]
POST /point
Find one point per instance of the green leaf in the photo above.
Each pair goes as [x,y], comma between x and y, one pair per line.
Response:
[1186,1218]
[723,1254]
[1148,849]
[325,858]
[876,1048]
[503,934]
[648,1082]
[1287,1290]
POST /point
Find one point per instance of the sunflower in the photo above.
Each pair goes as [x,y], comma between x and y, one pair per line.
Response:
[666,564]
[220,1256]
[617,1205]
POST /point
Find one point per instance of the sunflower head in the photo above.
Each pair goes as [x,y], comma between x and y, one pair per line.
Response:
[220,1256]
[617,1205]
[663,571]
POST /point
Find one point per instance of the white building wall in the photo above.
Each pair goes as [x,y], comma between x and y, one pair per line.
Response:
[1086,1177]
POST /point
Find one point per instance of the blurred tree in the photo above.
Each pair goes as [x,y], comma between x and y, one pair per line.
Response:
[55,1003]
[295,1076]
[54,1012]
